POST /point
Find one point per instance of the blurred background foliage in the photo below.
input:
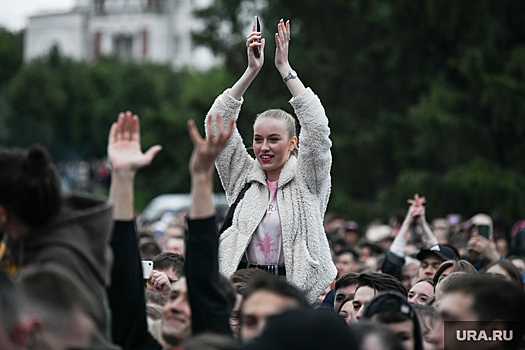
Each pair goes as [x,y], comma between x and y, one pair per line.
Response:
[422,96]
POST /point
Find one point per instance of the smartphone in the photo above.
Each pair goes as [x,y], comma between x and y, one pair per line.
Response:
[483,230]
[147,267]
[256,52]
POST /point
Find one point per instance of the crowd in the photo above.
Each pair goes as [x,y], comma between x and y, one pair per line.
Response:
[278,273]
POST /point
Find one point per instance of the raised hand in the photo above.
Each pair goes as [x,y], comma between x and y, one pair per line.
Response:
[416,211]
[255,40]
[124,149]
[479,245]
[205,151]
[282,43]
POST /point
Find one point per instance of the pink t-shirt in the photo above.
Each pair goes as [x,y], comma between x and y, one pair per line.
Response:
[266,246]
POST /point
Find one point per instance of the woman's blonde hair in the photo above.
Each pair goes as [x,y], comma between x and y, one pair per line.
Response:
[286,118]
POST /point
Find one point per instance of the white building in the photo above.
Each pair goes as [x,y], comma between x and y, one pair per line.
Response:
[141,30]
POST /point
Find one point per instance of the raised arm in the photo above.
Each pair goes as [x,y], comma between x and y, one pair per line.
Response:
[415,211]
[205,151]
[429,238]
[209,309]
[395,256]
[126,293]
[282,43]
[254,40]
[126,158]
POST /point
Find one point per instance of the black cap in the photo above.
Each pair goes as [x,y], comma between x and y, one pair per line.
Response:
[443,251]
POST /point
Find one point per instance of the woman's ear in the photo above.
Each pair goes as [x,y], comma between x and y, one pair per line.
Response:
[293,143]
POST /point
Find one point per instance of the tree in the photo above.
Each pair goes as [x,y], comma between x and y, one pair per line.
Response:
[11,51]
[422,96]
[69,106]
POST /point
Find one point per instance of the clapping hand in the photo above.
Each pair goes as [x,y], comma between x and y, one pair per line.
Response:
[416,210]
[282,43]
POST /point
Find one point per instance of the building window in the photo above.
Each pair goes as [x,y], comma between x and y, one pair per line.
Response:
[144,35]
[177,46]
[155,6]
[99,7]
[96,44]
[123,46]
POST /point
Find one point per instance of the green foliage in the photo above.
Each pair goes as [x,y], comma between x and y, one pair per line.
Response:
[11,51]
[422,96]
[69,106]
[419,96]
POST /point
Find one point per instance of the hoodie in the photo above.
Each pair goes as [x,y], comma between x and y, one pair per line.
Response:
[79,240]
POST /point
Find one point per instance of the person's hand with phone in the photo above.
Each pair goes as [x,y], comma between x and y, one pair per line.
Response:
[479,246]
[253,40]
[255,43]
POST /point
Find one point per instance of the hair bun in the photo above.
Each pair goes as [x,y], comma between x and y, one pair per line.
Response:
[38,159]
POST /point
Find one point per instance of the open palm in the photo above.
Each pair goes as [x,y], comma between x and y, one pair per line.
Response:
[124,149]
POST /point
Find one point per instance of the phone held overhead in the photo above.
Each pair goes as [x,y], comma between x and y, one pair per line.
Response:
[256,52]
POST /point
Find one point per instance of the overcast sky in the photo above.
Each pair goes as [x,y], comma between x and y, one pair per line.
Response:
[14,14]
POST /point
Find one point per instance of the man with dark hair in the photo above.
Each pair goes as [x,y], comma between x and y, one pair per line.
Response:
[433,257]
[369,284]
[266,296]
[491,304]
[240,280]
[393,310]
[170,264]
[346,260]
[344,286]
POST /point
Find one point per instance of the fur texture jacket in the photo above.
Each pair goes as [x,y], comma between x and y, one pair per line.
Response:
[302,196]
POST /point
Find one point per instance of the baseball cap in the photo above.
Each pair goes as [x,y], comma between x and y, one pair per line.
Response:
[444,251]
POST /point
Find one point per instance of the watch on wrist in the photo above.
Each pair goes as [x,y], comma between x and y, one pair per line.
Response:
[291,75]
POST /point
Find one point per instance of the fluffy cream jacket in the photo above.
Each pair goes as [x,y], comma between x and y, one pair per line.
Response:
[302,196]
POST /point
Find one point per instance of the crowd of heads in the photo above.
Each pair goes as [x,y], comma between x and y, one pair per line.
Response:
[457,280]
